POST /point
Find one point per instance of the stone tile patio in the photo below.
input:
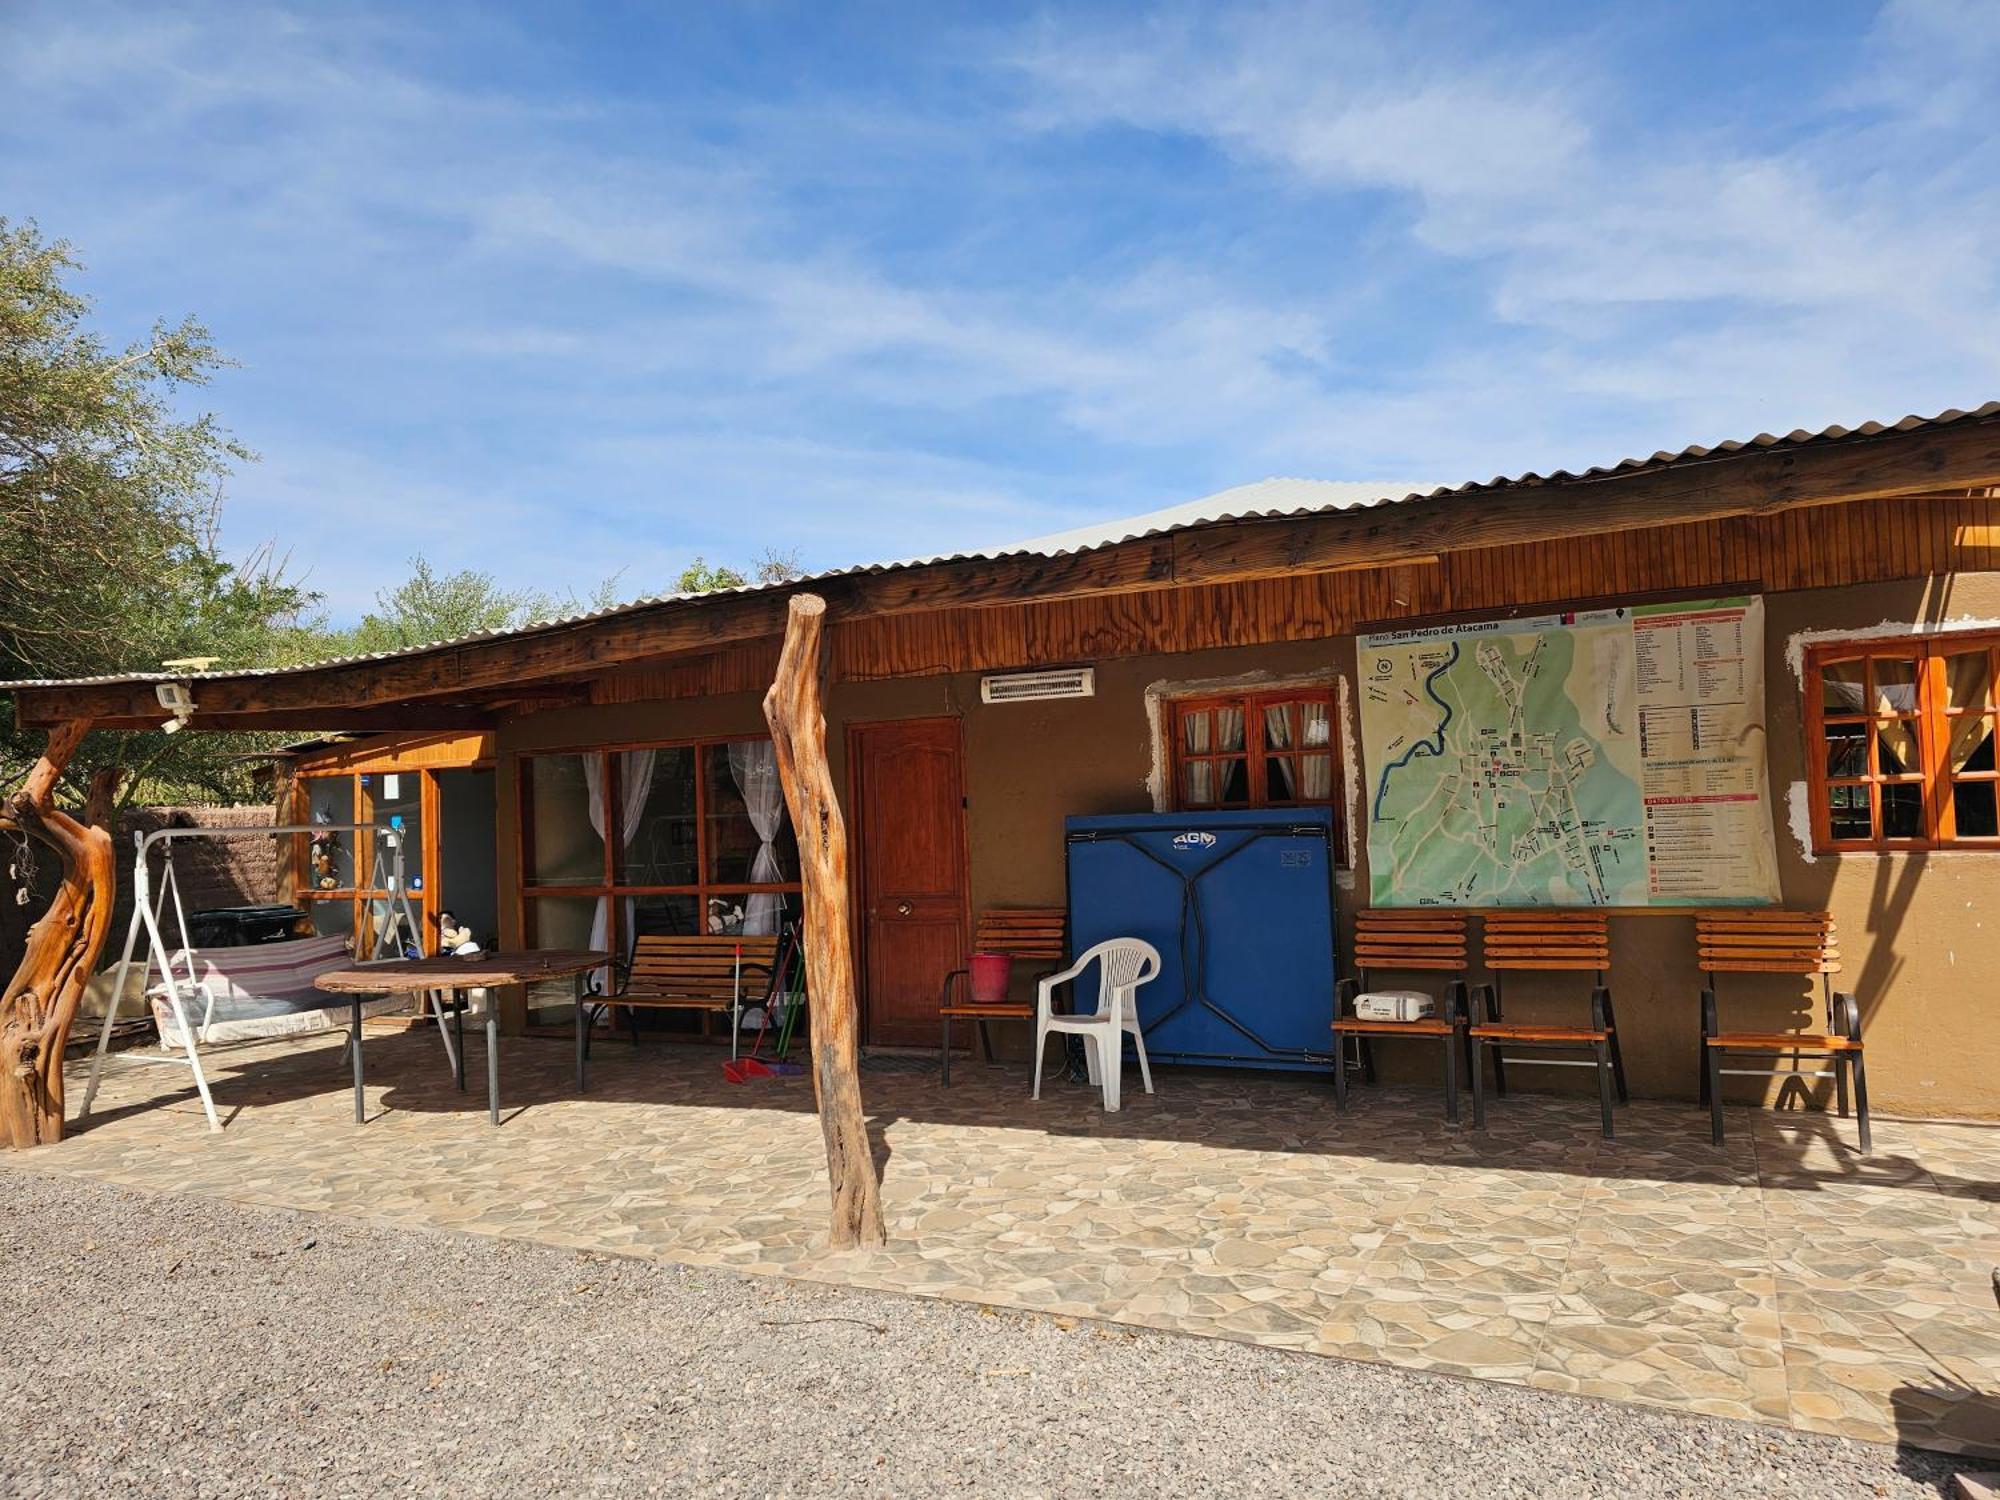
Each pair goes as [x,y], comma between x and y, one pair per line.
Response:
[1780,1278]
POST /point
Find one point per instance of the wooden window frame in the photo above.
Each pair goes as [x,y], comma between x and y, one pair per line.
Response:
[1253,702]
[608,885]
[429,900]
[1930,716]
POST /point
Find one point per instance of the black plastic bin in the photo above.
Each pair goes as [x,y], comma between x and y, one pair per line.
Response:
[243,926]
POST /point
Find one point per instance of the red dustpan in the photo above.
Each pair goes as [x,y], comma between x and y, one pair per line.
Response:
[743,1069]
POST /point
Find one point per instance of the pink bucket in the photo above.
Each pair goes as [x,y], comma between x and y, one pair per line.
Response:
[992,973]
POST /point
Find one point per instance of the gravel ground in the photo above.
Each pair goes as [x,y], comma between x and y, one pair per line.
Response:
[160,1345]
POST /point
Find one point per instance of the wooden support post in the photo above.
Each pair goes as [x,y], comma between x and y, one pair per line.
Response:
[41,999]
[798,730]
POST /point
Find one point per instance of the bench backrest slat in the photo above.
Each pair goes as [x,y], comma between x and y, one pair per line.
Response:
[702,965]
[1767,942]
[1546,940]
[1022,931]
[1411,938]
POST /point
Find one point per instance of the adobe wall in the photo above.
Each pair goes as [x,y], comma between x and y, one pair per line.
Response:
[1919,933]
[212,872]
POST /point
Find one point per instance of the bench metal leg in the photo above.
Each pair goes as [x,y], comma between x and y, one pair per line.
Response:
[944,1067]
[1451,1078]
[1861,1101]
[1340,1076]
[1603,1052]
[582,1040]
[1617,1052]
[1479,1084]
[1492,997]
[354,1045]
[1712,1070]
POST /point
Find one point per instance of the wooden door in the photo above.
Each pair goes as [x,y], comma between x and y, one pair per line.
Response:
[909,787]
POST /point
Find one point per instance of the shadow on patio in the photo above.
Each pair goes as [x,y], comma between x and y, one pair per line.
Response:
[1779,1278]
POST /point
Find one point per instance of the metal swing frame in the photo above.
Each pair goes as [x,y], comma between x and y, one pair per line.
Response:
[149,905]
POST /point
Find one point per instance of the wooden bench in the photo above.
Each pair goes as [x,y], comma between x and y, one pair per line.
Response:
[1547,941]
[1035,934]
[1763,941]
[709,975]
[1423,939]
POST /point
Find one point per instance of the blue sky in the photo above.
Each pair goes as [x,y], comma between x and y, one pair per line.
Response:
[563,290]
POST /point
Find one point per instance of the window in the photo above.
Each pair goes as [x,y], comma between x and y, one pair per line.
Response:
[1275,749]
[660,839]
[1899,739]
[344,881]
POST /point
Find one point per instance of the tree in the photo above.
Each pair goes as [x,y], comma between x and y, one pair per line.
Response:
[108,509]
[428,607]
[778,565]
[698,577]
[772,565]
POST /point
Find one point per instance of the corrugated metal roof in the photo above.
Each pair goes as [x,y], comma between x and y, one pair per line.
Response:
[1268,500]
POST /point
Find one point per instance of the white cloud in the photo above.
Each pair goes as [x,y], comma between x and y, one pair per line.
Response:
[1796,282]
[468,307]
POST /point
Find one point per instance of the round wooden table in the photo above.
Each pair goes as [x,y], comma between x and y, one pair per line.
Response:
[418,976]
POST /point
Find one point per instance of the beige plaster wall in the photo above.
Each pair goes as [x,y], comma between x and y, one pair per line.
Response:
[1920,938]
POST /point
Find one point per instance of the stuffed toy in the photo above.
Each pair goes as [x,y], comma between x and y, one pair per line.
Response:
[322,861]
[455,938]
[722,917]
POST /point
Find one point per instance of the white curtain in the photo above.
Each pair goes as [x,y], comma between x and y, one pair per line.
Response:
[1316,771]
[1279,770]
[635,784]
[754,766]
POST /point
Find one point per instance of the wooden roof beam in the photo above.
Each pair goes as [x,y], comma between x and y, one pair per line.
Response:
[358,720]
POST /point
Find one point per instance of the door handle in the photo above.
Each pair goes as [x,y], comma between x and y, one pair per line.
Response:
[903,908]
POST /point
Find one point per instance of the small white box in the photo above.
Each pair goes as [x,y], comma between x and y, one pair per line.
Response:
[1394,1005]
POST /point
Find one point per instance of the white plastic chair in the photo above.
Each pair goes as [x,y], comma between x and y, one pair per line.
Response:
[1123,964]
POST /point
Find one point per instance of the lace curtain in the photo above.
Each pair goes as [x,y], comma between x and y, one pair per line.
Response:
[1208,732]
[753,764]
[635,785]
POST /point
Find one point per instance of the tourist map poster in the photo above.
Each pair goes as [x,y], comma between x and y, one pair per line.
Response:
[1608,757]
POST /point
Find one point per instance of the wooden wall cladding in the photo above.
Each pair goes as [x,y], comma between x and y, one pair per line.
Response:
[401,753]
[747,668]
[1815,547]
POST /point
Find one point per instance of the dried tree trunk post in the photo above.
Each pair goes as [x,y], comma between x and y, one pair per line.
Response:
[41,999]
[798,730]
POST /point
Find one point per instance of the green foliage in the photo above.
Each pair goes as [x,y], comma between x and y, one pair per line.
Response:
[109,501]
[699,577]
[108,508]
[772,565]
[429,606]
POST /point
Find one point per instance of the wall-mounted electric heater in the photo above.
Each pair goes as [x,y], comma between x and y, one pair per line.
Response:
[1030,687]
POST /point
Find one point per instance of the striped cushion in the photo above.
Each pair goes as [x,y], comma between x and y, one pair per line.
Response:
[265,969]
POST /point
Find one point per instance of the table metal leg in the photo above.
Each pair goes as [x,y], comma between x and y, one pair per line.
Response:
[460,999]
[492,1063]
[354,1045]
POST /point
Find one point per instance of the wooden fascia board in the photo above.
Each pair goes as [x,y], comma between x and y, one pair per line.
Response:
[413,716]
[1960,455]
